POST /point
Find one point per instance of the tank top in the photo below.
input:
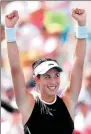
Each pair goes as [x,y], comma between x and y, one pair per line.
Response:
[49,119]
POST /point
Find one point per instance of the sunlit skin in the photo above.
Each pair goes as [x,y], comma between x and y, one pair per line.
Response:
[48,84]
[25,100]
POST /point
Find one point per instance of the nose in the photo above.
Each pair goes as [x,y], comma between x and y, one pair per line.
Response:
[53,81]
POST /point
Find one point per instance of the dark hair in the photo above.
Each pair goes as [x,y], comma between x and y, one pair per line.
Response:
[39,61]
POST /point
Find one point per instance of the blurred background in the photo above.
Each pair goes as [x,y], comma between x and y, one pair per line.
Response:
[45,29]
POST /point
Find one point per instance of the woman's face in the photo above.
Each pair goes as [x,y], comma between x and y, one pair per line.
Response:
[49,82]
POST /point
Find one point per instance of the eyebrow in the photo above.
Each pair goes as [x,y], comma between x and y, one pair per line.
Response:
[50,75]
[58,73]
[46,75]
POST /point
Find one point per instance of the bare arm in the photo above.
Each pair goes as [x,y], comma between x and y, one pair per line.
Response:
[75,84]
[77,69]
[23,98]
[17,74]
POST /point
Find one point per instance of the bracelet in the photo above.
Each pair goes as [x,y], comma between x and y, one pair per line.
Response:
[10,34]
[81,32]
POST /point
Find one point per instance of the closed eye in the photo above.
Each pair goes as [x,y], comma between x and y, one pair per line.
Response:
[47,77]
[57,75]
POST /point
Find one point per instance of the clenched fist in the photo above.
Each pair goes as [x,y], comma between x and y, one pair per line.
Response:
[80,16]
[11,19]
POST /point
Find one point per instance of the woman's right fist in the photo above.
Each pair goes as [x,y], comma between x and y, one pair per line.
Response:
[11,19]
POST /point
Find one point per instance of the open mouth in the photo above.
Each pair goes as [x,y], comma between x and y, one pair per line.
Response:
[52,87]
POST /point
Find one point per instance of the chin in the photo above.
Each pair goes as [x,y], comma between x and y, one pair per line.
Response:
[52,92]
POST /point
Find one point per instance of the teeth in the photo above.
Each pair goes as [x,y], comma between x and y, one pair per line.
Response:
[52,88]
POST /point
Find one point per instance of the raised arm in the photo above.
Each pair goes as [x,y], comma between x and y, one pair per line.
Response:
[23,98]
[75,83]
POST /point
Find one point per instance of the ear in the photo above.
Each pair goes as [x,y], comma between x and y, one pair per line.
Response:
[36,79]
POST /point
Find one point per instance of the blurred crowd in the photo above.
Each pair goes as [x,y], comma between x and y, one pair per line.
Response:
[45,29]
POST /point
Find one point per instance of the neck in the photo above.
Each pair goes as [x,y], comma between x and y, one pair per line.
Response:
[48,99]
[84,114]
[88,87]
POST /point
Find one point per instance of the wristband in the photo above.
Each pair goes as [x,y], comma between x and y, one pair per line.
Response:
[81,32]
[10,34]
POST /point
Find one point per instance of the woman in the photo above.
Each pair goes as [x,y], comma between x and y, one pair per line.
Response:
[47,113]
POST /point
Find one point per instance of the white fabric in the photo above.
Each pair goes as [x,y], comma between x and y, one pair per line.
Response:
[44,67]
[80,121]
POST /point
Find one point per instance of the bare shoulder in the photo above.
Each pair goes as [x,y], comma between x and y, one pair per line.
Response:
[27,108]
[68,102]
